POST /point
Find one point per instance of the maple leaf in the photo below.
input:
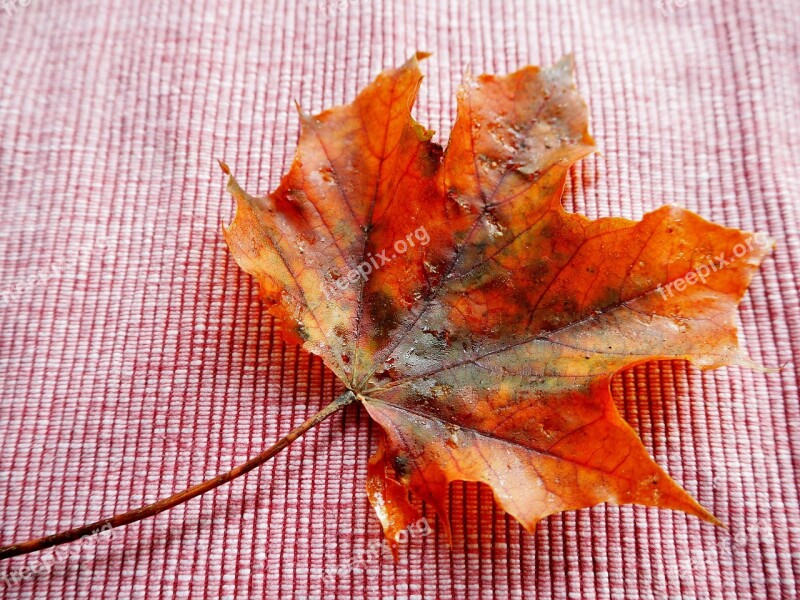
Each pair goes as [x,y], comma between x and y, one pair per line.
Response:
[477,321]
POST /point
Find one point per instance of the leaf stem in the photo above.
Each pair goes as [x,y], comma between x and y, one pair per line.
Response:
[132,516]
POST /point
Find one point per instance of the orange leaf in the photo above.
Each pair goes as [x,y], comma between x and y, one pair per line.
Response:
[479,322]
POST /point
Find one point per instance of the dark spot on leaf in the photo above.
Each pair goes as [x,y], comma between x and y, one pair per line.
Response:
[383,312]
[402,467]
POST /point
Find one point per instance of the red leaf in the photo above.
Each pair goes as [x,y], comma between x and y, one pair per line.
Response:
[479,322]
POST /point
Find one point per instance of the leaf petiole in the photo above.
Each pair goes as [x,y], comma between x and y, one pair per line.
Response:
[132,516]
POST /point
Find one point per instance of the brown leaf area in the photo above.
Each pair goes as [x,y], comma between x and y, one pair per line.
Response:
[480,323]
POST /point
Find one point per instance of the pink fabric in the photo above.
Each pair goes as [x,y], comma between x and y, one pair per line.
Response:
[135,359]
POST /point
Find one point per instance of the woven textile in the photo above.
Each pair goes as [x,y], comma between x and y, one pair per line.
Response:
[135,358]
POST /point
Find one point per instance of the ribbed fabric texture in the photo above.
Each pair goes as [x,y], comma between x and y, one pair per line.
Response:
[135,358]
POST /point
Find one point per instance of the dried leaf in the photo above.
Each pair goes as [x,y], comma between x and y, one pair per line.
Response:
[480,323]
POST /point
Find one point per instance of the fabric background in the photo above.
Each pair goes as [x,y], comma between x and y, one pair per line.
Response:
[147,364]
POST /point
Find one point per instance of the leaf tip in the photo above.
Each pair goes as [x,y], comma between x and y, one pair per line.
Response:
[710,518]
[395,548]
[224,167]
[739,359]
[566,63]
[694,508]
